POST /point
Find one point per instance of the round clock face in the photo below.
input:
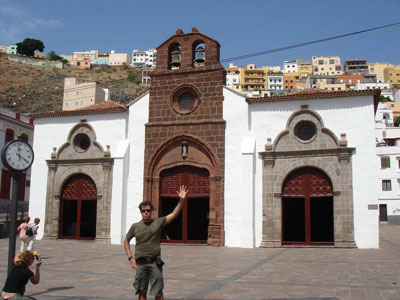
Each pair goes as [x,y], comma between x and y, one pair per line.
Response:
[17,155]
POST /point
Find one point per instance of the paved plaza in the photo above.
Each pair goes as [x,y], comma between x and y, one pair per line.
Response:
[90,270]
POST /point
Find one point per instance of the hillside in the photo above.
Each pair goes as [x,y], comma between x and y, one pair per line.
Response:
[27,88]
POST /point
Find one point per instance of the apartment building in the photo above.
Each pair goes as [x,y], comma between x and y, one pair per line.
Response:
[290,66]
[325,82]
[326,65]
[275,82]
[232,76]
[80,95]
[86,55]
[304,68]
[299,68]
[392,76]
[377,69]
[350,80]
[252,78]
[12,49]
[144,59]
[119,59]
[3,48]
[289,82]
[388,160]
[355,67]
[102,59]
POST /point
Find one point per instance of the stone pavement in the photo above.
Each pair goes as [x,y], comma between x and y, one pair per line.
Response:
[89,270]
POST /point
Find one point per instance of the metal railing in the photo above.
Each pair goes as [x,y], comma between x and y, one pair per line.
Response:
[5,212]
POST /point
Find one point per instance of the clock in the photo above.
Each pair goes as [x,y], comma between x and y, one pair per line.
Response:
[17,156]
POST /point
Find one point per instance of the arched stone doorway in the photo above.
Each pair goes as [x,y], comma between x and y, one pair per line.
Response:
[184,156]
[307,208]
[78,208]
[191,226]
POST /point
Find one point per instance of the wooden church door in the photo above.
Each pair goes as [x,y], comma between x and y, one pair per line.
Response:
[307,208]
[191,226]
[78,209]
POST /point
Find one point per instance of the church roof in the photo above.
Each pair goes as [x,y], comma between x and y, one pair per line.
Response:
[312,94]
[106,107]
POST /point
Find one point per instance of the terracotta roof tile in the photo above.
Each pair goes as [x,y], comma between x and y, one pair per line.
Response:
[106,107]
[311,94]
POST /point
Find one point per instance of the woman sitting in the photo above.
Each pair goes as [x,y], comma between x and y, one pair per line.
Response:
[14,288]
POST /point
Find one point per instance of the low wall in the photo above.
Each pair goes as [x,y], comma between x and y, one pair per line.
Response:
[35,61]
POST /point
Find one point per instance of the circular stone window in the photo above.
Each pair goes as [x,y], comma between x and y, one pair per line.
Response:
[81,142]
[305,130]
[184,100]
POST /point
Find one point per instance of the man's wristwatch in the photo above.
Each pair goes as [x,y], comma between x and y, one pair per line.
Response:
[130,257]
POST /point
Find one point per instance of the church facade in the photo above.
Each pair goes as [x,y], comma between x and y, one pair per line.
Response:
[297,169]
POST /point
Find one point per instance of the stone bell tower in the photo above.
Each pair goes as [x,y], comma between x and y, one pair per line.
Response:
[185,135]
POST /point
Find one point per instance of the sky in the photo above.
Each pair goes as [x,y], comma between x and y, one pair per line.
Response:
[241,27]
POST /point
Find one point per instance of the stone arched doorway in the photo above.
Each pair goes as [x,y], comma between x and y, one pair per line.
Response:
[78,208]
[307,208]
[191,226]
[187,155]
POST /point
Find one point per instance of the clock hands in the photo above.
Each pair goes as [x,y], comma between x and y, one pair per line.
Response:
[19,157]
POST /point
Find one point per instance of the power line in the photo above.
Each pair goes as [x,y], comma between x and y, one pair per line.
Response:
[304,44]
[326,46]
[250,55]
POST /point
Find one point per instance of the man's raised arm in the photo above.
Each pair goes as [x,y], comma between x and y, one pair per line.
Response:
[182,195]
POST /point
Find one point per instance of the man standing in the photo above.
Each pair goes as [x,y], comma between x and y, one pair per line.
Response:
[147,260]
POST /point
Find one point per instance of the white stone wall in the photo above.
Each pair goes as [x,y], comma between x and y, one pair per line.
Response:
[138,116]
[267,120]
[110,130]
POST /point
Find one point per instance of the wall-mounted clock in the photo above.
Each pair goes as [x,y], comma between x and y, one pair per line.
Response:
[17,156]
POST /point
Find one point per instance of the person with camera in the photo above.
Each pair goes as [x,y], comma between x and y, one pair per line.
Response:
[14,287]
[147,260]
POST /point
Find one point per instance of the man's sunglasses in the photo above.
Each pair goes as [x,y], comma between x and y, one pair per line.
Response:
[145,210]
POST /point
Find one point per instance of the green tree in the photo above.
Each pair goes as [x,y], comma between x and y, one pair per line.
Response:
[132,76]
[53,56]
[28,47]
[397,120]
[384,99]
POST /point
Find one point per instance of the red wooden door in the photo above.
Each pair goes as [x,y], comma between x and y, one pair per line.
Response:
[191,226]
[307,208]
[78,208]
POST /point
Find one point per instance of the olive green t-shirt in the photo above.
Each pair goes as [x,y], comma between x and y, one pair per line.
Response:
[147,237]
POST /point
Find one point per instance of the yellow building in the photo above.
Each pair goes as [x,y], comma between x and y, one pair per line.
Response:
[304,70]
[3,48]
[327,65]
[392,75]
[253,79]
[272,69]
[80,95]
[39,55]
[377,69]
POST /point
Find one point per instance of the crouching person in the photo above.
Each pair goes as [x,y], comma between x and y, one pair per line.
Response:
[14,288]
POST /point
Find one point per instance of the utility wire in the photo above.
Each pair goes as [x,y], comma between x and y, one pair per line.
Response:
[270,59]
[326,46]
[304,44]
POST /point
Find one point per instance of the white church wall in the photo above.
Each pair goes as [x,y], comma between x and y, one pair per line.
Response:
[138,117]
[53,132]
[353,116]
[241,214]
[119,195]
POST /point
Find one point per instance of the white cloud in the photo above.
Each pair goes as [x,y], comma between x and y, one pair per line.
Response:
[17,24]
